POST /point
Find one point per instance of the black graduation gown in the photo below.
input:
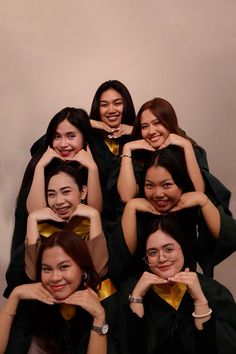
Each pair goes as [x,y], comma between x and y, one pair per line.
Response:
[165,330]
[34,318]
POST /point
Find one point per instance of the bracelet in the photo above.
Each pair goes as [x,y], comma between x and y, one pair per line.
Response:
[123,155]
[135,299]
[202,316]
[205,204]
[10,314]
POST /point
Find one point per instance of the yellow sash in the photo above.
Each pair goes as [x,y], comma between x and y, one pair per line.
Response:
[172,294]
[112,145]
[82,229]
[67,311]
[106,289]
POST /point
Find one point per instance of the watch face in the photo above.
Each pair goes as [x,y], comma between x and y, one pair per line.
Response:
[105,328]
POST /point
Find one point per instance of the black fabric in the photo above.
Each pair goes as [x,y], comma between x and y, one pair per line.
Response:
[164,330]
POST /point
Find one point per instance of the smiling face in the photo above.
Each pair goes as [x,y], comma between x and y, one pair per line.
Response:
[160,189]
[68,140]
[60,275]
[111,108]
[63,194]
[164,255]
[152,130]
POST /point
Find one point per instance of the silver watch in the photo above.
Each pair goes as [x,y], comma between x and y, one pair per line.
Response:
[103,329]
[135,299]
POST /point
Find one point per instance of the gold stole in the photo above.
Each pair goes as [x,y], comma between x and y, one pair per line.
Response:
[172,294]
[112,145]
[81,229]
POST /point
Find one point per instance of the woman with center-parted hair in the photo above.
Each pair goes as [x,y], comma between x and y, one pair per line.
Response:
[66,315]
[69,137]
[112,117]
[171,307]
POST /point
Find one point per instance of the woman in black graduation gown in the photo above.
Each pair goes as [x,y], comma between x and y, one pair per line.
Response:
[112,117]
[173,308]
[66,190]
[166,187]
[66,316]
[68,135]
[156,127]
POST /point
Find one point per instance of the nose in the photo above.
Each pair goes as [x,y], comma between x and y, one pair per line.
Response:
[111,108]
[56,276]
[59,199]
[158,193]
[151,129]
[161,257]
[63,142]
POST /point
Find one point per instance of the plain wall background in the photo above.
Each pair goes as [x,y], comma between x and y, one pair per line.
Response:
[56,53]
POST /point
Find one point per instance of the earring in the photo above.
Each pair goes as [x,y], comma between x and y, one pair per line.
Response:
[85,278]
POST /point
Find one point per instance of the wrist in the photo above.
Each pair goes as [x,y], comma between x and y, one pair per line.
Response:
[127,150]
[204,201]
[135,299]
[99,317]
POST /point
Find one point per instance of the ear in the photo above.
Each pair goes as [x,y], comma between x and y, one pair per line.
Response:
[84,192]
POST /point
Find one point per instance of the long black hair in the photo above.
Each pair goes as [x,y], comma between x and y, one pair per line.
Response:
[128,115]
[172,158]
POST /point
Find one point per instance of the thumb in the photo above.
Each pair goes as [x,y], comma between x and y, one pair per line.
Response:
[186,269]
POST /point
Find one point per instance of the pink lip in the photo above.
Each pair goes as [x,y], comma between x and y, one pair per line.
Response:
[161,203]
[65,153]
[58,287]
[163,268]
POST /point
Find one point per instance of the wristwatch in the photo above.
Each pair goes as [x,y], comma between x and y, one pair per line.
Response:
[103,329]
[135,299]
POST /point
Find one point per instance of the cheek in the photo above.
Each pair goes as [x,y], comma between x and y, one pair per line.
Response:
[54,144]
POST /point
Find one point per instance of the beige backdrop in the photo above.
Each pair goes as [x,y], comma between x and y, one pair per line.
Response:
[54,53]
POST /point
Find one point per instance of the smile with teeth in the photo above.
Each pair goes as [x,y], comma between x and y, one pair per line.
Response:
[112,118]
[161,202]
[62,211]
[154,138]
[65,152]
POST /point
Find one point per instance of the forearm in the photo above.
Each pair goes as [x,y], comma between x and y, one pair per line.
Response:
[97,342]
[32,233]
[36,198]
[211,216]
[6,318]
[129,226]
[201,308]
[31,256]
[94,189]
[193,168]
[95,225]
[126,184]
[98,249]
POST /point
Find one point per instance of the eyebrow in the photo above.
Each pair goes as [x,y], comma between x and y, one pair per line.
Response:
[156,249]
[164,180]
[61,189]
[115,99]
